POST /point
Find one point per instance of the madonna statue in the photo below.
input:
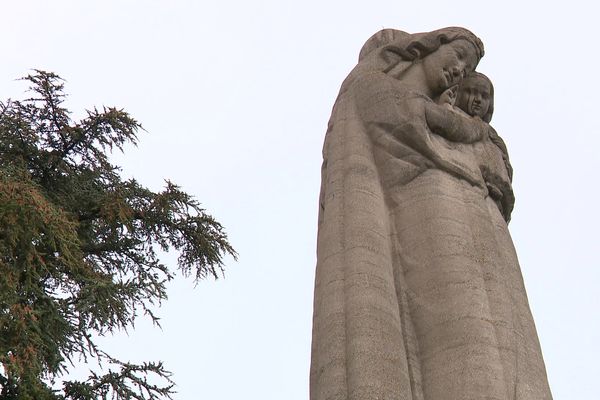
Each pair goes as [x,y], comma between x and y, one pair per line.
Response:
[418,292]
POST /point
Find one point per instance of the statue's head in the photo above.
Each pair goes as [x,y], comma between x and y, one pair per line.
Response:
[446,55]
[418,45]
[476,96]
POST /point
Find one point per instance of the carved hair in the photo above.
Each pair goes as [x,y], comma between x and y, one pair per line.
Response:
[402,46]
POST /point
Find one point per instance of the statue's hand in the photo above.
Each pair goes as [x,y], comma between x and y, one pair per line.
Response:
[448,97]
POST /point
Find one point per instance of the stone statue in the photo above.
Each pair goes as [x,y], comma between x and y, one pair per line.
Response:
[418,291]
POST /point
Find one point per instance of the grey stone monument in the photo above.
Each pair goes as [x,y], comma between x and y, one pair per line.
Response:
[418,292]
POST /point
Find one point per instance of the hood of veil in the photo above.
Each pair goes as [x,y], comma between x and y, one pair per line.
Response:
[388,48]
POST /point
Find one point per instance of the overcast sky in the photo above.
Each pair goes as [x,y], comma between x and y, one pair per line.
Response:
[235,97]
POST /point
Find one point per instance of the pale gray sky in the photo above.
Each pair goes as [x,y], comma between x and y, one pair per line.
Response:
[235,97]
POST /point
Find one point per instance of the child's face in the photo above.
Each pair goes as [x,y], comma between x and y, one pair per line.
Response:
[474,97]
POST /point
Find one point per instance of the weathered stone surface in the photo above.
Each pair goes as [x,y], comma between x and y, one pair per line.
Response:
[418,291]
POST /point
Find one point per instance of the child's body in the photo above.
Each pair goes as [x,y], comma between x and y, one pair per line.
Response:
[474,97]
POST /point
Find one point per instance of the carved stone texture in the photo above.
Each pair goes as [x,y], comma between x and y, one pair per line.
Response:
[418,291]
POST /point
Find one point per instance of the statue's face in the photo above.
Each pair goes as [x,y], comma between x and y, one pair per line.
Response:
[474,97]
[448,65]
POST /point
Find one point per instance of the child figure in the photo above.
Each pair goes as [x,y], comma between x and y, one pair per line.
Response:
[475,97]
[473,100]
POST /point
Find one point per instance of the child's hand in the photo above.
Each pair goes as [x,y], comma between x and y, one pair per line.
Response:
[448,96]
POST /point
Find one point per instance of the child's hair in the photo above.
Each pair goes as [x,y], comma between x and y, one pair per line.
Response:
[478,75]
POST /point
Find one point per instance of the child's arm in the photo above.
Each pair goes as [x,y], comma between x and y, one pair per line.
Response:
[454,126]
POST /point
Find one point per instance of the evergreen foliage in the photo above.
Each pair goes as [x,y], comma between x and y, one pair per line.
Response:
[78,248]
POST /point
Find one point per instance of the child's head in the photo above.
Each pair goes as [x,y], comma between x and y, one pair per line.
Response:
[476,96]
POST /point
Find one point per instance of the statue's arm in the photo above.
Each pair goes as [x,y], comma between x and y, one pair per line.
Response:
[453,125]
